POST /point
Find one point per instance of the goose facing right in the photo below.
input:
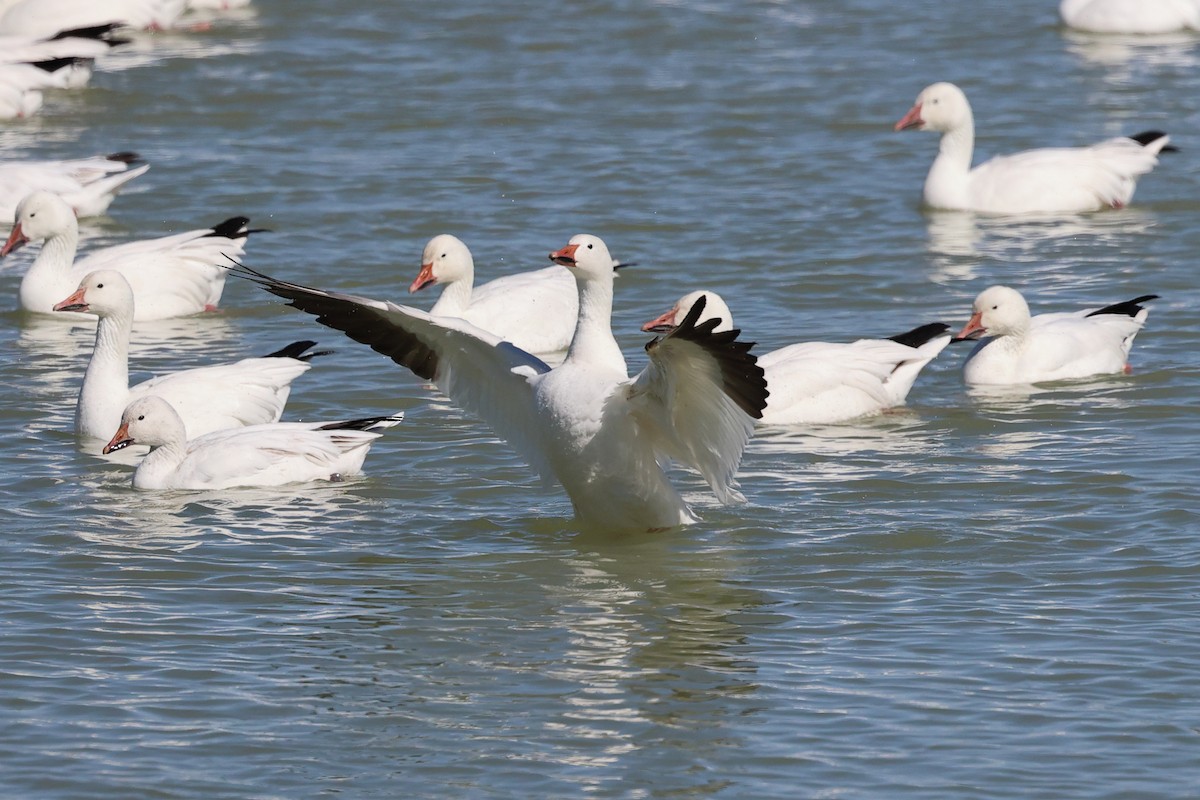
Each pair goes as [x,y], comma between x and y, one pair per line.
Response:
[605,437]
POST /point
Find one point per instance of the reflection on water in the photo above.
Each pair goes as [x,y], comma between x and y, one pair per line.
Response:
[961,240]
[1126,55]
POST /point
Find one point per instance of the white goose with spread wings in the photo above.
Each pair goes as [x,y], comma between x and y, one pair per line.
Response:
[585,423]
[825,382]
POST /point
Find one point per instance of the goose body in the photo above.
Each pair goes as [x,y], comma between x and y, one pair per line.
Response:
[1022,349]
[259,455]
[247,392]
[535,310]
[172,276]
[48,17]
[826,382]
[1045,180]
[88,185]
[1131,16]
[585,423]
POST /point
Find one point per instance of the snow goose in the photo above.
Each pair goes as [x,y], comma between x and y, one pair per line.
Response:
[535,310]
[1131,16]
[246,392]
[172,276]
[1046,180]
[1020,349]
[259,455]
[585,423]
[88,185]
[89,43]
[823,382]
[47,17]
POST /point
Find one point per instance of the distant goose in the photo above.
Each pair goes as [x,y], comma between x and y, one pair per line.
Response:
[259,455]
[1020,349]
[1047,180]
[585,423]
[825,382]
[88,185]
[172,276]
[246,392]
[1131,16]
[48,17]
[88,43]
[534,310]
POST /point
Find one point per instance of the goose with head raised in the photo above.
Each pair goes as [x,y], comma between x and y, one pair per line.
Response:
[604,436]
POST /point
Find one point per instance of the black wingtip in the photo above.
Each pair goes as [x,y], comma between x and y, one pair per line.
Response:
[921,334]
[100,32]
[364,424]
[52,65]
[233,228]
[125,157]
[742,379]
[1128,308]
[1148,137]
[297,350]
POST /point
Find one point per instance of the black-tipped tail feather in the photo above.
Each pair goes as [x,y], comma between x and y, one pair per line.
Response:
[921,334]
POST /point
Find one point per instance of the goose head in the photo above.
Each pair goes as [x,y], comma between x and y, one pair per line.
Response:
[997,311]
[148,420]
[104,293]
[446,259]
[940,107]
[587,257]
[40,215]
[714,308]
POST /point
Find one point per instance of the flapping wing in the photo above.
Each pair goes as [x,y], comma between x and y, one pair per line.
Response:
[483,374]
[698,398]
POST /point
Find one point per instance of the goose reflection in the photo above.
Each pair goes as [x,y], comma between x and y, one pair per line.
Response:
[1124,55]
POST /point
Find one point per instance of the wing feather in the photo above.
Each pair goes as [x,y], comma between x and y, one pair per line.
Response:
[698,399]
[482,373]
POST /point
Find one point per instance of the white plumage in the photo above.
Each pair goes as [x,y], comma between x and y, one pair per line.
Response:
[534,310]
[88,185]
[585,423]
[247,392]
[1131,16]
[1024,349]
[1046,180]
[260,455]
[172,276]
[825,382]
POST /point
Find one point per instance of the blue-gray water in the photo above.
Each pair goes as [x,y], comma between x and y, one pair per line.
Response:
[976,597]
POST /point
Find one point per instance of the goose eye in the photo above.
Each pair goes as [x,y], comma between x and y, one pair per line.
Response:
[995,307]
[141,417]
[589,247]
[99,285]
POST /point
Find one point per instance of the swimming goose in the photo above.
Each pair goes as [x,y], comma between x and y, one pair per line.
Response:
[824,382]
[246,392]
[172,276]
[88,185]
[259,455]
[586,424]
[535,310]
[1046,180]
[1020,349]
[1131,16]
[48,17]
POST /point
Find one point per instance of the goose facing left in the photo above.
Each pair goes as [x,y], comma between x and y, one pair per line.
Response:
[247,392]
[584,424]
[261,455]
[171,276]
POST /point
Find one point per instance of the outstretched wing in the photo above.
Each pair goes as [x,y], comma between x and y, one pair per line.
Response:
[480,372]
[698,398]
